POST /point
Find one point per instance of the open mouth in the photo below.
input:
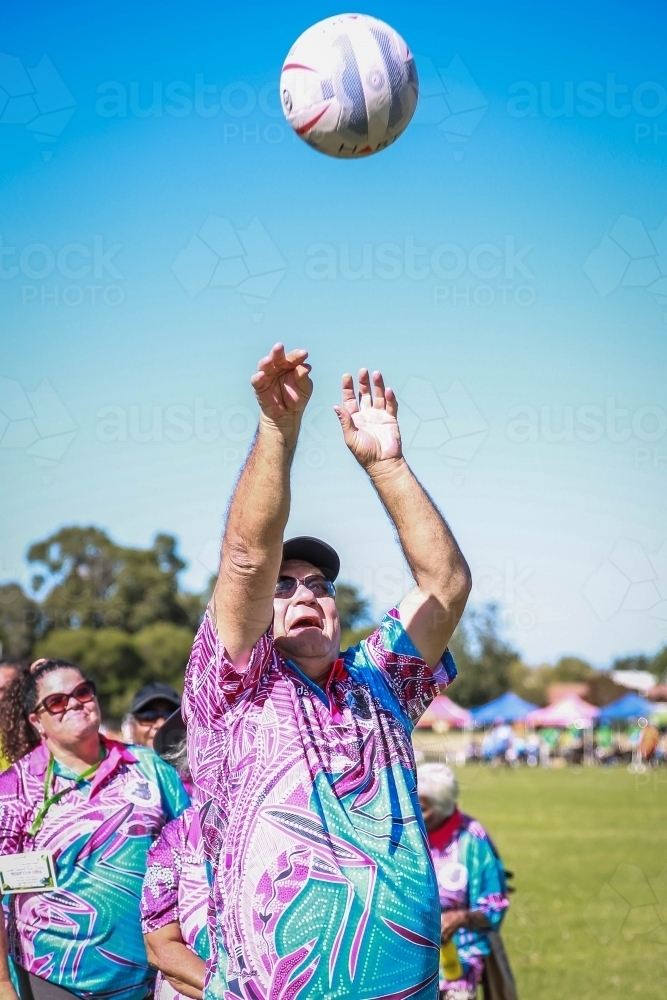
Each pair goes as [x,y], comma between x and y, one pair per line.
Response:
[305,621]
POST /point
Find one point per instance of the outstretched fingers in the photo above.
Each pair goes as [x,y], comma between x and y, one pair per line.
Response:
[365,395]
[378,391]
[349,396]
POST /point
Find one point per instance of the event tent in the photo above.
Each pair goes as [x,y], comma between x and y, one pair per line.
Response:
[443,709]
[566,712]
[508,708]
[629,706]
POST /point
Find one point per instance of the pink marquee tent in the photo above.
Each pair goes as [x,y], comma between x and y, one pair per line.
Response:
[443,709]
[566,712]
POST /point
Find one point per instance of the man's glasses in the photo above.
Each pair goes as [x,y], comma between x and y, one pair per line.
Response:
[56,704]
[319,586]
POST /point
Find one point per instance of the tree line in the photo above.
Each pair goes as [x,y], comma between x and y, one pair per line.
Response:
[122,614]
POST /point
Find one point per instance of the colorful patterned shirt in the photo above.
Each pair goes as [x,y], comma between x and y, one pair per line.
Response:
[470,877]
[176,889]
[85,935]
[322,882]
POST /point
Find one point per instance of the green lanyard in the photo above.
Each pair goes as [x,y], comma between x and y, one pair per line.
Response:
[48,802]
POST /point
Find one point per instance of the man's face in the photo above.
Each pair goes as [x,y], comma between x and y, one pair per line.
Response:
[305,627]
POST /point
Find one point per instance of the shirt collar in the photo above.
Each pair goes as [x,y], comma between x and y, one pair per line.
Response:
[338,670]
[117,753]
[443,836]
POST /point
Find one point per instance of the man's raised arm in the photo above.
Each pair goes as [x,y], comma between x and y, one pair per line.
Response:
[258,512]
[431,611]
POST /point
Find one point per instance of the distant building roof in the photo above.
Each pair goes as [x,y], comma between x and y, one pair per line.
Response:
[634,680]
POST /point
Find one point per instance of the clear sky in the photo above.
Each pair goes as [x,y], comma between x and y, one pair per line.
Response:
[503,264]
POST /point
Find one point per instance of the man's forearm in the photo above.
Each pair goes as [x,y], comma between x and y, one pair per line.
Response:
[432,553]
[184,970]
[435,560]
[252,543]
[260,506]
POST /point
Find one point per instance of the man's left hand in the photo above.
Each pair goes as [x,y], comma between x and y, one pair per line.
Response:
[450,922]
[370,427]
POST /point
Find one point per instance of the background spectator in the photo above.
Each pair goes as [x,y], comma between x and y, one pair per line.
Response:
[94,806]
[471,881]
[150,708]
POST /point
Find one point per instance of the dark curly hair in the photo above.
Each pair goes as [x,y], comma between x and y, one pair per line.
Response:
[17,736]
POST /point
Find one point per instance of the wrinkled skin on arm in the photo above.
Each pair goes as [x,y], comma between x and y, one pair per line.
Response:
[431,611]
[253,539]
[168,952]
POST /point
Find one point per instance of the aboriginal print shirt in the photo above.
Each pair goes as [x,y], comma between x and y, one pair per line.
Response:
[470,876]
[85,935]
[176,889]
[322,882]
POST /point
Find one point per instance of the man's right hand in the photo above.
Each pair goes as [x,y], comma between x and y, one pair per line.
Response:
[283,387]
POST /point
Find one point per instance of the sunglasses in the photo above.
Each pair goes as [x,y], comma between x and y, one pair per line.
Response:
[56,704]
[153,714]
[319,586]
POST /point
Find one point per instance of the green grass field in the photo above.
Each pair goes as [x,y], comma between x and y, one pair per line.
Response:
[588,848]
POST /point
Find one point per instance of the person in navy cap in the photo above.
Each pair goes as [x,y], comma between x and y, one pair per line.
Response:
[150,708]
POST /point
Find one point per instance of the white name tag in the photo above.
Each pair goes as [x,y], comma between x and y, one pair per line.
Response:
[32,871]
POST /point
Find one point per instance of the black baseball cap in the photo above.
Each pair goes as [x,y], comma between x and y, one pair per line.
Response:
[315,551]
[155,691]
[170,734]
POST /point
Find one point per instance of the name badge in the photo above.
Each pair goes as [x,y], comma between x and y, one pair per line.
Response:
[31,871]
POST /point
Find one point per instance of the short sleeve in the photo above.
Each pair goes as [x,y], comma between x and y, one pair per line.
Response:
[173,795]
[175,799]
[13,812]
[486,877]
[159,893]
[212,683]
[415,683]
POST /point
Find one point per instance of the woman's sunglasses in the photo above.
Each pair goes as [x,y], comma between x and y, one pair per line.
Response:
[319,586]
[56,704]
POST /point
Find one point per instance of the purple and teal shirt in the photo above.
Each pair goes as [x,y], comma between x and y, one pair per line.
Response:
[322,882]
[176,890]
[470,876]
[85,935]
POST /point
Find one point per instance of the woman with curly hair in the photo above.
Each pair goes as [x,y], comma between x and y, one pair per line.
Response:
[8,674]
[87,808]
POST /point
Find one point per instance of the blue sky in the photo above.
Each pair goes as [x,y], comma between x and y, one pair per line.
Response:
[522,320]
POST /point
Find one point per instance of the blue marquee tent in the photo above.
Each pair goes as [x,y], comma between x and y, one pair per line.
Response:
[629,706]
[508,708]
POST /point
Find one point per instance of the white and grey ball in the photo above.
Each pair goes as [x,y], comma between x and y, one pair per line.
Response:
[349,85]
